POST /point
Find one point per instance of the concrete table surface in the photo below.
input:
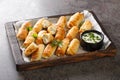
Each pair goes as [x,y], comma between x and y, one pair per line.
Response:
[108,12]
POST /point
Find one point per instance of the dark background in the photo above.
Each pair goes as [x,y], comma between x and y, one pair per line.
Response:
[107,11]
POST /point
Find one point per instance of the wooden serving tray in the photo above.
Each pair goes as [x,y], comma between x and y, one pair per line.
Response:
[21,65]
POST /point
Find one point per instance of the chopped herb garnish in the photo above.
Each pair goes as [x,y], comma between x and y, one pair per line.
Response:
[35,35]
[56,43]
[29,28]
[81,23]
[92,36]
[98,38]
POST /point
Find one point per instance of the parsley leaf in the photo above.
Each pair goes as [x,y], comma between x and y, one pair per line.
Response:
[35,35]
[29,28]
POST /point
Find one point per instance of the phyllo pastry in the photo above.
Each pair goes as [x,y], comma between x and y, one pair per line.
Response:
[62,49]
[52,29]
[60,33]
[47,38]
[39,37]
[30,49]
[29,39]
[38,25]
[23,30]
[75,19]
[49,51]
[72,33]
[62,22]
[46,23]
[87,25]
[73,47]
[38,53]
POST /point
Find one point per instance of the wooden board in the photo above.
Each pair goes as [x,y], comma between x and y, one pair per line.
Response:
[21,65]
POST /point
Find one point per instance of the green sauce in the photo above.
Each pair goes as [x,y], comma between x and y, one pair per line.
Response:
[91,37]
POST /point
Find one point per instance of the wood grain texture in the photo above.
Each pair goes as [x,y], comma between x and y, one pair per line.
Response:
[107,11]
[22,66]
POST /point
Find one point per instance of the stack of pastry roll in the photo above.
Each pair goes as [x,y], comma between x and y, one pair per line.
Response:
[29,39]
[38,53]
[60,34]
[75,19]
[87,25]
[63,33]
[49,51]
[59,29]
[23,32]
[72,33]
[62,49]
[52,29]
[73,47]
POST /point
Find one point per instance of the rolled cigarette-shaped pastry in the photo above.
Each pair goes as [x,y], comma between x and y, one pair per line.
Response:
[52,29]
[38,26]
[40,35]
[49,51]
[38,53]
[46,23]
[62,49]
[47,37]
[72,33]
[75,20]
[87,25]
[62,22]
[30,49]
[29,39]
[73,47]
[23,32]
[60,33]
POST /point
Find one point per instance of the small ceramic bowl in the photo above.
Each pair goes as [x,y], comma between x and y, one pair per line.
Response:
[91,40]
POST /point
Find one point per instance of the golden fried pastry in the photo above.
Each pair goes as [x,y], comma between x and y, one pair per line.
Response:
[73,47]
[49,51]
[47,37]
[62,49]
[62,22]
[72,33]
[60,33]
[52,29]
[46,23]
[87,25]
[38,26]
[75,20]
[38,53]
[30,49]
[29,39]
[23,32]
[40,35]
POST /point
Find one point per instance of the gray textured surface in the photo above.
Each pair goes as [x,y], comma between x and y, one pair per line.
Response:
[108,12]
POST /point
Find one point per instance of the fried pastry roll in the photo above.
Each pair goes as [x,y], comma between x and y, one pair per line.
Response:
[73,47]
[47,37]
[52,29]
[38,26]
[75,19]
[39,38]
[72,33]
[23,32]
[29,39]
[46,23]
[49,51]
[62,49]
[60,33]
[30,49]
[87,25]
[38,53]
[62,22]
